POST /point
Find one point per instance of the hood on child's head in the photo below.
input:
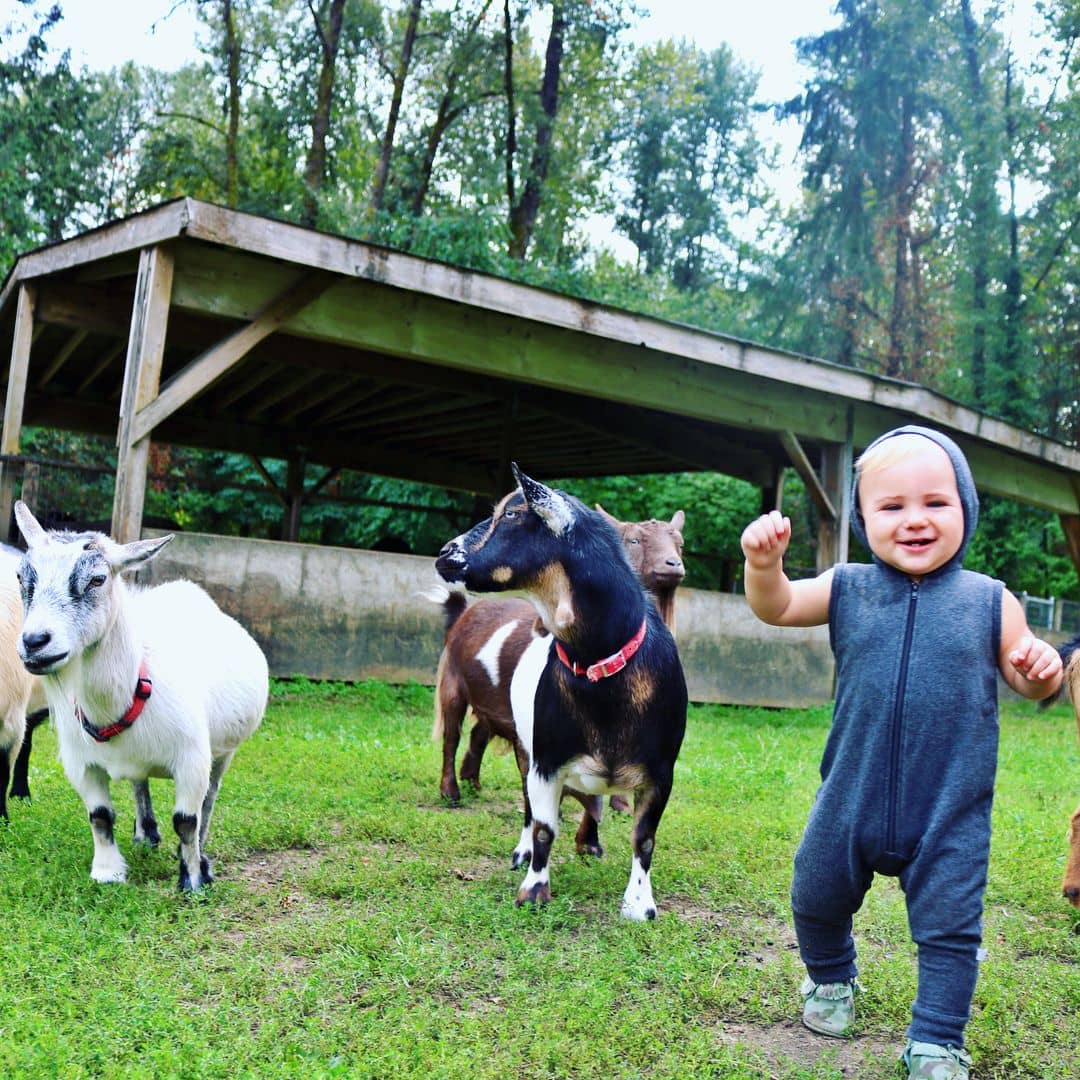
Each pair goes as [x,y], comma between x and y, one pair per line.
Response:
[965,485]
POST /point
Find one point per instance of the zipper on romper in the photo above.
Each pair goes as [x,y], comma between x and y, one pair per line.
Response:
[898,722]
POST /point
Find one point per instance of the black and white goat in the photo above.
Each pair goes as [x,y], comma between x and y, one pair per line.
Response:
[141,683]
[600,703]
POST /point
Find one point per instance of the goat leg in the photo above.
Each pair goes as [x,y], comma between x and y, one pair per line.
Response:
[20,777]
[649,803]
[544,796]
[146,826]
[587,840]
[1070,887]
[474,756]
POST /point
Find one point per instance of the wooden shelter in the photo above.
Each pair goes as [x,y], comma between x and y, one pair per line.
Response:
[202,326]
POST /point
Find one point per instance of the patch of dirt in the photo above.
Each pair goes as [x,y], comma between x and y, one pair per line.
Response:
[765,938]
[782,1045]
[262,870]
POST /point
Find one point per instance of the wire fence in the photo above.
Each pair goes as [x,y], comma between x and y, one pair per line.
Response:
[1052,613]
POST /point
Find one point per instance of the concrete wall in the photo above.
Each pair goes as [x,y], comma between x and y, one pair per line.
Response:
[337,613]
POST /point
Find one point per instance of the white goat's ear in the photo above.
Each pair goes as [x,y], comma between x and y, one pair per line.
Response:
[33,533]
[678,520]
[552,509]
[124,557]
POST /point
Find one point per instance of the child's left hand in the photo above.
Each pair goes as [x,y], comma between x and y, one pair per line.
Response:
[1035,659]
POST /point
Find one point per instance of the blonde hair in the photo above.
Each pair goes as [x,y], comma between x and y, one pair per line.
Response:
[890,451]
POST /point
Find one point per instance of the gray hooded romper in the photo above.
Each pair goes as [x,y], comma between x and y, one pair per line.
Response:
[907,777]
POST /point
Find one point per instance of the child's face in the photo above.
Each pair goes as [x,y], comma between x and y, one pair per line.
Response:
[912,511]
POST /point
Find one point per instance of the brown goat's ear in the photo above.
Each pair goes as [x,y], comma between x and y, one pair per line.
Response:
[677,520]
[608,518]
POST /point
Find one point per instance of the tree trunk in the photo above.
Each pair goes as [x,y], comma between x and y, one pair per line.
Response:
[382,169]
[904,193]
[1011,348]
[982,201]
[232,136]
[511,107]
[447,112]
[524,213]
[315,169]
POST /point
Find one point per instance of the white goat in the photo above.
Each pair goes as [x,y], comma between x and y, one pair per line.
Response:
[16,682]
[186,681]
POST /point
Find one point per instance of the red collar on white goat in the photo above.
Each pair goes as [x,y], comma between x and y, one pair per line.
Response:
[143,689]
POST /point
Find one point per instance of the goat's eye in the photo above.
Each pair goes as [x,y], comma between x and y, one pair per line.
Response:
[97,581]
[634,540]
[509,514]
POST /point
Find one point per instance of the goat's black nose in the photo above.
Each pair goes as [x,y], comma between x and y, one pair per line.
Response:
[32,643]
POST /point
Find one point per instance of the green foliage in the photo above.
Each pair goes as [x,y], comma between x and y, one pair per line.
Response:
[1023,547]
[359,928]
[911,254]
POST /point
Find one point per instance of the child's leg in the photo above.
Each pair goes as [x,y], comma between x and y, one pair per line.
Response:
[944,888]
[828,888]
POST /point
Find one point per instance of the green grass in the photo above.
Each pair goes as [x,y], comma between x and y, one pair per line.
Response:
[360,927]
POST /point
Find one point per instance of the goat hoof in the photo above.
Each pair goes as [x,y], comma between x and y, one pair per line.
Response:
[206,877]
[20,791]
[538,895]
[595,850]
[150,838]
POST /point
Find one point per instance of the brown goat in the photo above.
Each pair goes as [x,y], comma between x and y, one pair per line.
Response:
[1070,887]
[484,642]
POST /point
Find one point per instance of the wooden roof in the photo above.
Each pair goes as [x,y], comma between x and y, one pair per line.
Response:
[281,341]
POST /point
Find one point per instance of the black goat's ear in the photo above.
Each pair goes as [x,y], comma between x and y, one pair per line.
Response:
[548,505]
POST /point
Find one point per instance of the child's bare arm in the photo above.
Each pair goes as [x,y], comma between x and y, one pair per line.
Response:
[772,597]
[1031,666]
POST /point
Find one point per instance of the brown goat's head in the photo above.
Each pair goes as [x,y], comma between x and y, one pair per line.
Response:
[654,549]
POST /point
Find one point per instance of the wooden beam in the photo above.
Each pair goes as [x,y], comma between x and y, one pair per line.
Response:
[1070,524]
[797,456]
[142,376]
[833,534]
[15,399]
[206,369]
[61,358]
[107,357]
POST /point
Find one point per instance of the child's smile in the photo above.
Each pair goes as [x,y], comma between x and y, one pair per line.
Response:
[912,511]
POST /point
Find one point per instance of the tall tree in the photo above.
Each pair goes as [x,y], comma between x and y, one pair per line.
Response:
[691,159]
[328,36]
[400,73]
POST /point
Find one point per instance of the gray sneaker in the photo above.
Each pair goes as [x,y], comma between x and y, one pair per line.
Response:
[829,1008]
[928,1061]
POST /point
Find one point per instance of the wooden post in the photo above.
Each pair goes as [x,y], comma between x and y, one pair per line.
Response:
[294,499]
[142,378]
[836,481]
[772,496]
[15,400]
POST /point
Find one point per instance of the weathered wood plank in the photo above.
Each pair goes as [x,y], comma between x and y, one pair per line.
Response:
[206,369]
[15,398]
[142,376]
[797,455]
[63,355]
[134,233]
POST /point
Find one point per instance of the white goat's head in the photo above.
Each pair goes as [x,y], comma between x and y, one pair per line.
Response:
[68,583]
